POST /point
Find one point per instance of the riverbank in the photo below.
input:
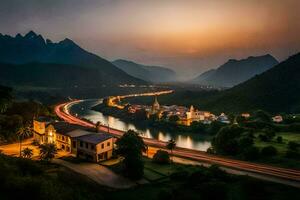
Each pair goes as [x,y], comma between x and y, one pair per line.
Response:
[141,120]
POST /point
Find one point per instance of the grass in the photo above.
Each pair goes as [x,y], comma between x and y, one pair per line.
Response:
[281,147]
[39,181]
[280,159]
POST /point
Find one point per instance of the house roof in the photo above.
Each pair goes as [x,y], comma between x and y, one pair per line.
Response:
[65,127]
[78,133]
[95,138]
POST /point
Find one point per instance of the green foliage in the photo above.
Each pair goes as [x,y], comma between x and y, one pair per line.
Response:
[262,116]
[27,153]
[251,153]
[279,139]
[5,98]
[161,157]
[47,152]
[269,151]
[293,146]
[227,140]
[173,118]
[9,125]
[131,146]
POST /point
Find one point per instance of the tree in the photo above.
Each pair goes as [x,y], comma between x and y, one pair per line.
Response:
[27,153]
[293,146]
[23,132]
[47,152]
[263,116]
[171,145]
[131,146]
[279,139]
[161,157]
[5,98]
[269,151]
[173,118]
[98,126]
[227,140]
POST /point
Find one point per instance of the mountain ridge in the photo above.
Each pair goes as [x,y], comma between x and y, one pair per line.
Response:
[32,48]
[235,71]
[148,73]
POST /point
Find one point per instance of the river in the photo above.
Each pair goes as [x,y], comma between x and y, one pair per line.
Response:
[189,140]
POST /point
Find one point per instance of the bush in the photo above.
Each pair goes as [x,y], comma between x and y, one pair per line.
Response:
[161,157]
[263,138]
[293,145]
[292,154]
[250,153]
[269,151]
[279,139]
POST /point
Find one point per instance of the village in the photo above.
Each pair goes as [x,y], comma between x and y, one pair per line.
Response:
[186,116]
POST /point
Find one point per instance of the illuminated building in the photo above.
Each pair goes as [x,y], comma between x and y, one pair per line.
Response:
[68,137]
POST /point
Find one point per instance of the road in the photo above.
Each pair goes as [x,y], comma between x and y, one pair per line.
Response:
[98,173]
[266,170]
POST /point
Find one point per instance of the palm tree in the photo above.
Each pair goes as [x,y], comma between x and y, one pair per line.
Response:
[171,145]
[98,126]
[47,151]
[23,132]
[27,152]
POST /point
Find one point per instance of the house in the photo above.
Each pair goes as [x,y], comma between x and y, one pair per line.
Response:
[223,118]
[39,127]
[74,139]
[245,115]
[95,147]
[277,119]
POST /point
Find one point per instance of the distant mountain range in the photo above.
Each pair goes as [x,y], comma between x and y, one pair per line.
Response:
[148,73]
[65,56]
[234,72]
[276,90]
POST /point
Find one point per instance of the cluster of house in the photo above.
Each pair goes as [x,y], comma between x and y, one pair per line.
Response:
[186,115]
[74,139]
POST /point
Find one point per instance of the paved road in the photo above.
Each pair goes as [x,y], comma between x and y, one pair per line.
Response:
[98,173]
[264,170]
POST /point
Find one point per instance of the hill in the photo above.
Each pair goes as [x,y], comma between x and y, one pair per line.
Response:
[50,75]
[147,73]
[276,90]
[234,72]
[34,48]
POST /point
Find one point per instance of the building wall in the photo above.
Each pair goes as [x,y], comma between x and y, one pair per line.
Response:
[63,142]
[39,127]
[96,153]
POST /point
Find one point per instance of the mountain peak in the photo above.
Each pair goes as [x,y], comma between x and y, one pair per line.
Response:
[30,34]
[68,43]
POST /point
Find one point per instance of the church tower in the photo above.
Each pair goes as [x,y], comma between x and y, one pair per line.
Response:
[155,106]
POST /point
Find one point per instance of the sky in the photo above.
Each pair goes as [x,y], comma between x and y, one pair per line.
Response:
[189,36]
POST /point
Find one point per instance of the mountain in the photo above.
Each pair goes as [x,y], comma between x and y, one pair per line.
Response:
[34,48]
[234,72]
[276,90]
[147,73]
[49,75]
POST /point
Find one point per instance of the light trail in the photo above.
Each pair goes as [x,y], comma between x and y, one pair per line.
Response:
[283,173]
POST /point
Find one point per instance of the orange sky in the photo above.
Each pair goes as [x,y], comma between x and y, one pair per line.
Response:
[187,35]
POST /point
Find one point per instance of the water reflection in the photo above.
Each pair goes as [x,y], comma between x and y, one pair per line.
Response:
[192,141]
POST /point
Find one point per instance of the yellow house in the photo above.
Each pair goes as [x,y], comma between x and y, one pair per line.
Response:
[95,147]
[39,129]
[74,139]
